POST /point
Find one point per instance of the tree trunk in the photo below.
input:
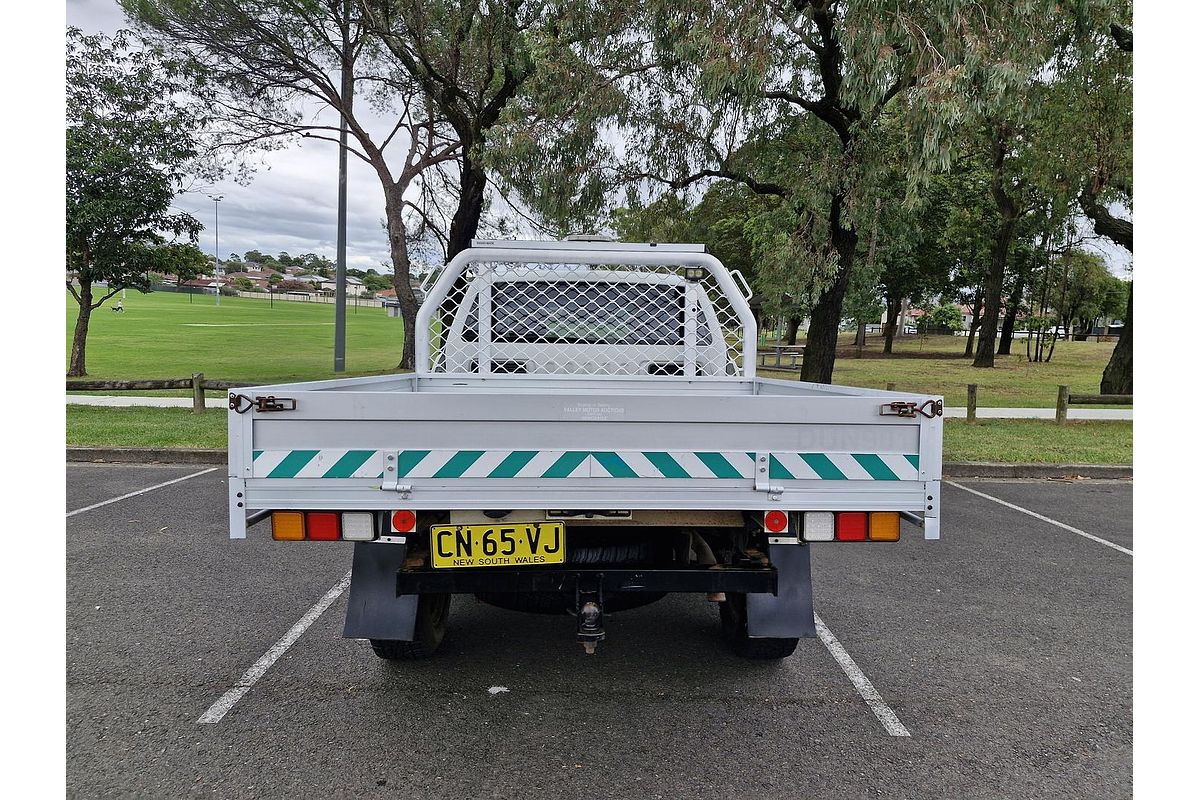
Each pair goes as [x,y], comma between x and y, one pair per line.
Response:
[401,270]
[1010,313]
[793,327]
[472,186]
[985,354]
[889,327]
[78,366]
[971,331]
[820,346]
[1118,375]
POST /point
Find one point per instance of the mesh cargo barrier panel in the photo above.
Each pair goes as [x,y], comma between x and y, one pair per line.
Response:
[586,319]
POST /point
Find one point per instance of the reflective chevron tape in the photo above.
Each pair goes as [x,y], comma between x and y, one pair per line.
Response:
[326,463]
[442,464]
[843,466]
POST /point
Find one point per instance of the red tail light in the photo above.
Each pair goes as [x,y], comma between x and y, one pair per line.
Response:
[851,526]
[324,526]
[775,521]
[403,521]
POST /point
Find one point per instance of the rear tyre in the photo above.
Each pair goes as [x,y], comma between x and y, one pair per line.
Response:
[433,612]
[733,629]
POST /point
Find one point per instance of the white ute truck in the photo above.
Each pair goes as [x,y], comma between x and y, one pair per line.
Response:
[584,433]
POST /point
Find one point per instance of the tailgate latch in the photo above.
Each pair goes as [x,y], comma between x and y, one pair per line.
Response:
[904,408]
[241,403]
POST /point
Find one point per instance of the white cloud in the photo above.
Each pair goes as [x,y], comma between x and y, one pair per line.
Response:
[291,203]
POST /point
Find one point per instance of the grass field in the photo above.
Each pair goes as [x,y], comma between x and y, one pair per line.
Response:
[168,335]
[1005,441]
[935,365]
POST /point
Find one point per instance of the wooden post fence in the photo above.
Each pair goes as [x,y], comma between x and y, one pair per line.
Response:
[197,383]
[198,392]
[1060,410]
[971,398]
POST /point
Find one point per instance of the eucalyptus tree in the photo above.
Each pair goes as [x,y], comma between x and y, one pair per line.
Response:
[132,144]
[1104,140]
[809,82]
[503,73]
[273,66]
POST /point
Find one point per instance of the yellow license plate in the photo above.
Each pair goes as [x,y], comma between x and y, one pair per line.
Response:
[497,545]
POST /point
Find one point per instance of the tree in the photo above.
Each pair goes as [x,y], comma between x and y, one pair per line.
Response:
[806,85]
[945,315]
[188,264]
[269,61]
[131,145]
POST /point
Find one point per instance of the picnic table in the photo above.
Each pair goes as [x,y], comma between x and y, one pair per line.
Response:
[781,351]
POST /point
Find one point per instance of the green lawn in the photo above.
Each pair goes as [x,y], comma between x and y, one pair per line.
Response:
[169,335]
[1007,441]
[934,364]
[1036,441]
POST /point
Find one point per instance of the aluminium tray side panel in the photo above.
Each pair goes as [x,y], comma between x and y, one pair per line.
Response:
[597,449]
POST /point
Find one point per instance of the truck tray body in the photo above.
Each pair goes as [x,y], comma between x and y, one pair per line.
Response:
[431,442]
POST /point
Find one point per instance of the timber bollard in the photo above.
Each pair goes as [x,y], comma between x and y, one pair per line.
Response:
[1060,410]
[971,392]
[198,392]
[891,387]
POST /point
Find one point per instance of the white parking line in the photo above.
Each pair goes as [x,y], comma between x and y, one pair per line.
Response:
[139,491]
[227,701]
[883,712]
[1036,515]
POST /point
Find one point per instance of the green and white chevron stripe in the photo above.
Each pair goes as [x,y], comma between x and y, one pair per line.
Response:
[327,463]
[443,464]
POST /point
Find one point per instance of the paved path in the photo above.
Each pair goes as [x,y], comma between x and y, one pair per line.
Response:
[1004,649]
[953,413]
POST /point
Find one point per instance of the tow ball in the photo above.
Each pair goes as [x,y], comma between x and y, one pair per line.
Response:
[591,624]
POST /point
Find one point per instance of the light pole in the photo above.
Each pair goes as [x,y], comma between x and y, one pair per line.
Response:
[217,238]
[339,295]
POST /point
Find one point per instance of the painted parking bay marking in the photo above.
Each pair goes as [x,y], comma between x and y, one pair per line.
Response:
[1036,515]
[866,690]
[259,668]
[139,491]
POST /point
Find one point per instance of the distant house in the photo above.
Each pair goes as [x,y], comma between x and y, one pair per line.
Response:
[206,284]
[354,286]
[258,279]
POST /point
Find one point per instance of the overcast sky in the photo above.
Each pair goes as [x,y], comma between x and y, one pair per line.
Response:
[291,203]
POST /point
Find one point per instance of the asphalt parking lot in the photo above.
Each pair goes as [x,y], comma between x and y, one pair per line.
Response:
[1004,649]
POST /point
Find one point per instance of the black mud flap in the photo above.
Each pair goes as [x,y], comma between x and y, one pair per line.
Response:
[374,611]
[789,612]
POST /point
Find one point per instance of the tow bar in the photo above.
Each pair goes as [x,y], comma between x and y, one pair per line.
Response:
[590,616]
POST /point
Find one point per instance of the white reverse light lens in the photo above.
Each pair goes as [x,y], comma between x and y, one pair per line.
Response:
[818,526]
[358,526]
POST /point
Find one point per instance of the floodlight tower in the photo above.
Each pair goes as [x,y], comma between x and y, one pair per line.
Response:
[217,238]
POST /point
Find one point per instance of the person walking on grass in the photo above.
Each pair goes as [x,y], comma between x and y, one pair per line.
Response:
[119,307]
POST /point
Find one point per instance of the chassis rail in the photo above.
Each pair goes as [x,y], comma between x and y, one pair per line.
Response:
[764,580]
